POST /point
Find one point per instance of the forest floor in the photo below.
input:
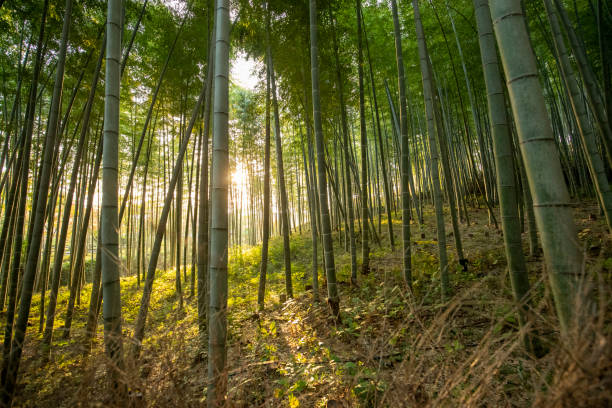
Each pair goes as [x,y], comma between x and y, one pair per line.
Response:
[391,348]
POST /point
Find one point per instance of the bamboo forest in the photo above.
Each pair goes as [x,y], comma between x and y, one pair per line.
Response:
[306,203]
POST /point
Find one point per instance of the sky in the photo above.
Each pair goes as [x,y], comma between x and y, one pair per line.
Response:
[243,71]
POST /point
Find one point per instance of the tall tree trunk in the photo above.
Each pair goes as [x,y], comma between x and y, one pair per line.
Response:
[217,352]
[161,229]
[428,92]
[604,27]
[313,200]
[141,223]
[9,378]
[282,191]
[448,178]
[128,48]
[502,149]
[406,168]
[365,245]
[194,218]
[593,93]
[80,252]
[96,290]
[203,211]
[313,217]
[486,172]
[550,197]
[386,186]
[61,244]
[261,292]
[95,298]
[12,349]
[179,216]
[347,160]
[589,142]
[328,249]
[44,267]
[109,222]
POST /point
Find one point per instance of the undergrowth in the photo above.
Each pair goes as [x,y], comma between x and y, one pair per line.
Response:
[392,348]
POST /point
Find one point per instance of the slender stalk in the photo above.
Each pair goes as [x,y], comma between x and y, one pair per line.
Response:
[428,92]
[328,249]
[502,149]
[551,200]
[217,329]
[109,220]
[406,168]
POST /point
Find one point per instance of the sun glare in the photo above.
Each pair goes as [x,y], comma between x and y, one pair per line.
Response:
[240,180]
[243,71]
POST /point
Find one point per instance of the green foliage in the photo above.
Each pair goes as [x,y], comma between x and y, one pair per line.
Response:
[369,389]
[316,353]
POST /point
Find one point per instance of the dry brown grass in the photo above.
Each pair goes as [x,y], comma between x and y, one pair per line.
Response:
[392,349]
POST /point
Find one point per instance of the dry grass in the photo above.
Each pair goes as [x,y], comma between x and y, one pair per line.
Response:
[391,349]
